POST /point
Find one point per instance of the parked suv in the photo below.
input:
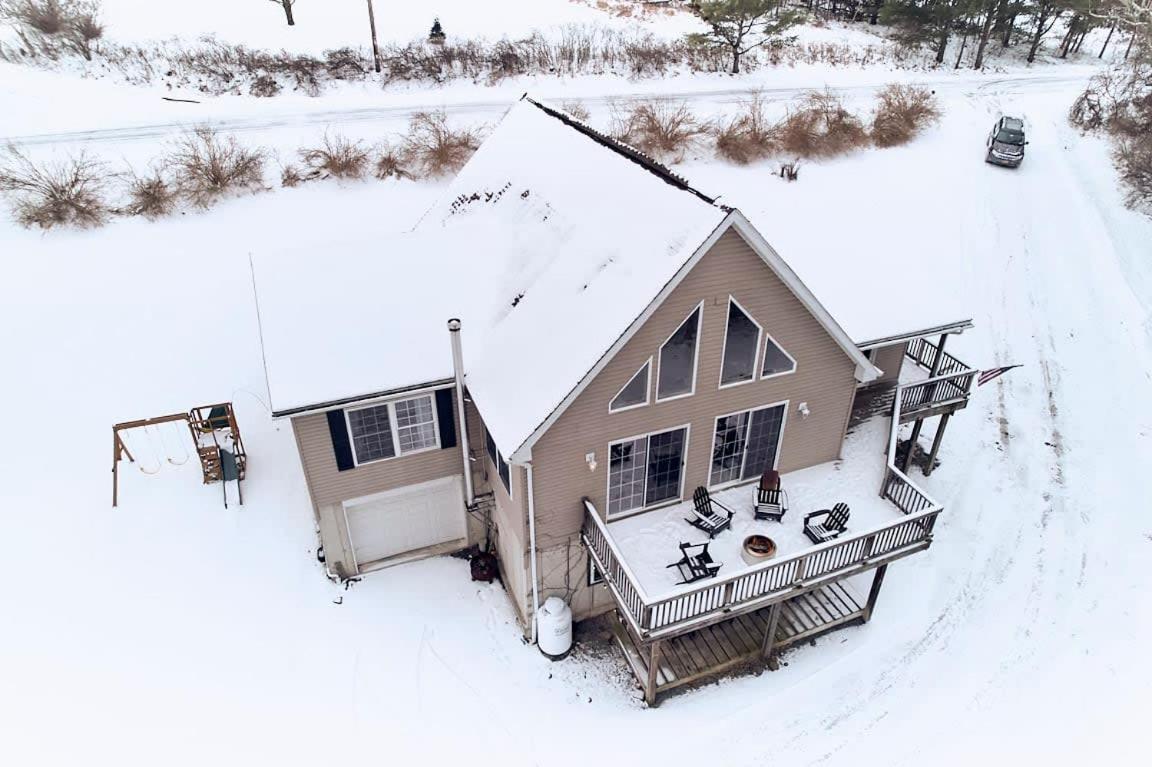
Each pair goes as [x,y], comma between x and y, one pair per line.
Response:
[1006,142]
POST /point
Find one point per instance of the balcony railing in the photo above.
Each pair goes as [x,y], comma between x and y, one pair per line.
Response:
[923,352]
[694,605]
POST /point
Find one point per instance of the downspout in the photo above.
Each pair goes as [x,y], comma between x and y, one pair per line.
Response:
[532,549]
[461,414]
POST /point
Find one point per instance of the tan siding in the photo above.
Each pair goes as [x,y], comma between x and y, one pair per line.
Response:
[824,379]
[330,485]
[889,359]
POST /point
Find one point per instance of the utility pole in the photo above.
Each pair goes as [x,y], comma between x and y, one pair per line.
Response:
[375,45]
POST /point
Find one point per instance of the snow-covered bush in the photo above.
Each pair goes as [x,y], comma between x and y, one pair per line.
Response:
[151,196]
[391,163]
[434,148]
[902,111]
[206,166]
[50,194]
[53,27]
[821,126]
[576,109]
[662,129]
[337,156]
[749,135]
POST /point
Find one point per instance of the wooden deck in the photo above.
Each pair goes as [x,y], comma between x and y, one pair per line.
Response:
[715,649]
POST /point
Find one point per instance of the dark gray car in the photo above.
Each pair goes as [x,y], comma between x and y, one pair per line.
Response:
[1006,142]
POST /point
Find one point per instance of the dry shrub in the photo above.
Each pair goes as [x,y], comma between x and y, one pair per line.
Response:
[576,109]
[47,26]
[264,86]
[902,111]
[821,127]
[659,128]
[1134,161]
[68,193]
[435,149]
[290,176]
[337,156]
[46,17]
[206,166]
[150,196]
[749,136]
[391,163]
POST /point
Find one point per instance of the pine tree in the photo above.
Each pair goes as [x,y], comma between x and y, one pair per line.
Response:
[742,25]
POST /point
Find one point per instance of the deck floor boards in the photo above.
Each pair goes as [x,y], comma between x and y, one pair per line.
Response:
[713,649]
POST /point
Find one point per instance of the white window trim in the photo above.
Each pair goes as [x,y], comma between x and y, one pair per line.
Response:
[695,354]
[687,427]
[744,459]
[647,391]
[496,468]
[764,356]
[756,356]
[392,425]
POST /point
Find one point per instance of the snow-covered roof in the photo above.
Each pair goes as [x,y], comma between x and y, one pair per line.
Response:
[546,246]
[871,292]
[599,234]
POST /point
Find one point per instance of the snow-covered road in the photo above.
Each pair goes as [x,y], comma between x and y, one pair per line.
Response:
[171,630]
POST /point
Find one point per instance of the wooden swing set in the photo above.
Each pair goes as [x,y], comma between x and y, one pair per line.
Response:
[215,437]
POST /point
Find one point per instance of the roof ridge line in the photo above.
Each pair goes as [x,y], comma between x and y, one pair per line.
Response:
[628,152]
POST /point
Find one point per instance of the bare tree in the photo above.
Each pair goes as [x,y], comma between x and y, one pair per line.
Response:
[287,6]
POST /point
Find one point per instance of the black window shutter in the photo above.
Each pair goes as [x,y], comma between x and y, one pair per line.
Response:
[447,418]
[341,445]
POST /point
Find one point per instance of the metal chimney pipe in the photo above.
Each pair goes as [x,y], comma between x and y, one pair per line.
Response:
[461,414]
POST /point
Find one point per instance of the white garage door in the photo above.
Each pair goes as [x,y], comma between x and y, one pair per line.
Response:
[406,519]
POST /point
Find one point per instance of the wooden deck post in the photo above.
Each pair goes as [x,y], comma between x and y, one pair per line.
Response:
[912,443]
[874,592]
[936,363]
[770,632]
[653,667]
[936,440]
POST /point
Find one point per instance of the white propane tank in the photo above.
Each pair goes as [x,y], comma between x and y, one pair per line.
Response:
[554,628]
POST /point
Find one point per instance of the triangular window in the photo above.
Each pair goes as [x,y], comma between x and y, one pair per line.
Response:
[741,342]
[777,362]
[677,377]
[635,392]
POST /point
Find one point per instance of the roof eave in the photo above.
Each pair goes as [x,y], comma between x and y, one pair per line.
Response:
[321,407]
[951,328]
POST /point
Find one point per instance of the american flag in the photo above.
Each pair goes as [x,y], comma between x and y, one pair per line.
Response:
[988,375]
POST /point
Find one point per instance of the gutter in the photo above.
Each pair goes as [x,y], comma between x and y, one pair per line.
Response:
[320,407]
[954,327]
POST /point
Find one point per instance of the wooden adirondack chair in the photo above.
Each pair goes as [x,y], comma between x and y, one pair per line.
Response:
[832,522]
[705,517]
[695,566]
[771,500]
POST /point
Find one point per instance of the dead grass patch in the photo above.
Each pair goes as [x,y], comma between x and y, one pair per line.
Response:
[51,194]
[434,148]
[749,136]
[664,130]
[337,156]
[206,166]
[902,111]
[821,126]
[150,196]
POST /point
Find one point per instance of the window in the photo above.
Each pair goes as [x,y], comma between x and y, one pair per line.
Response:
[777,362]
[635,392]
[645,470]
[498,461]
[745,444]
[677,376]
[741,341]
[383,431]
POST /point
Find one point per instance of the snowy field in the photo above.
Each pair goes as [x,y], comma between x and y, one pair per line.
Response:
[173,631]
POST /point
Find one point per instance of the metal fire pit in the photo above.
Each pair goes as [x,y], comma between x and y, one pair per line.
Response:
[757,548]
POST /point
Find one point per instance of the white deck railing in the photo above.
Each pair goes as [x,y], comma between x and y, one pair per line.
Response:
[691,605]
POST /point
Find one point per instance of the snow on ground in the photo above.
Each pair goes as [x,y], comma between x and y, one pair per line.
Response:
[325,24]
[650,541]
[170,629]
